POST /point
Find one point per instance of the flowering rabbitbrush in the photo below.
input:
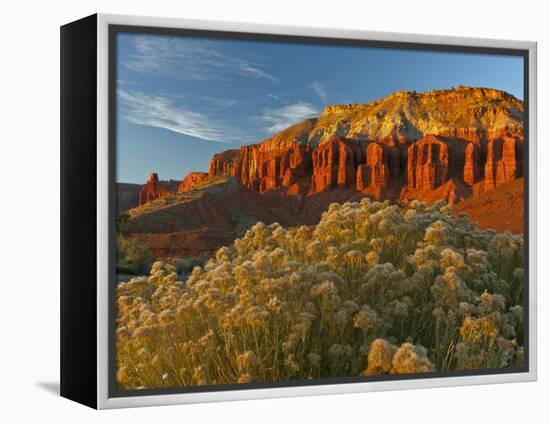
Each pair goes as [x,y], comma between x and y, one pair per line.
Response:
[372,289]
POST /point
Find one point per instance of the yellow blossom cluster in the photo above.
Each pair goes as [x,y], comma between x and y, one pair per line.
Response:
[372,289]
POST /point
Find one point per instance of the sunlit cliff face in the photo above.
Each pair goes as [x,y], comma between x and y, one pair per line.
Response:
[464,135]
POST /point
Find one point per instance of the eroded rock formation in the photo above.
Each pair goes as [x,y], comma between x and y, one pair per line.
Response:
[152,190]
[428,164]
[266,166]
[503,161]
[335,163]
[402,144]
[191,180]
[443,143]
[471,164]
[463,146]
[375,172]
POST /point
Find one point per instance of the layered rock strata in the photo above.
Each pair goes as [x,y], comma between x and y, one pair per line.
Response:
[405,145]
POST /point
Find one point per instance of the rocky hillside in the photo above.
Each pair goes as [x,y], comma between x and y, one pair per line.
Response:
[406,145]
[202,218]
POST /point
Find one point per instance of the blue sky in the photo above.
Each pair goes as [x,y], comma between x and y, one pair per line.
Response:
[182,99]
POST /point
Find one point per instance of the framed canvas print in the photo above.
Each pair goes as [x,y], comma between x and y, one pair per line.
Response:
[255,211]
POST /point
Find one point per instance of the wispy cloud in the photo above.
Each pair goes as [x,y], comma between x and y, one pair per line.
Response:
[280,118]
[165,112]
[274,96]
[190,59]
[320,90]
[215,103]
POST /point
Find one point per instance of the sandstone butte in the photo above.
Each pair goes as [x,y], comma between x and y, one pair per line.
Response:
[441,144]
[152,190]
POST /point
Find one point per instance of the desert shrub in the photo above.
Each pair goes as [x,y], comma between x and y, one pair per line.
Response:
[385,358]
[132,257]
[372,289]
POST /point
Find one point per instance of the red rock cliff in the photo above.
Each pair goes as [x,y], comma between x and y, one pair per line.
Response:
[472,164]
[266,166]
[375,172]
[504,160]
[420,165]
[404,143]
[335,163]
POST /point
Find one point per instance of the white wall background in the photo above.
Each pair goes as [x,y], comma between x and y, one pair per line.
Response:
[29,208]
